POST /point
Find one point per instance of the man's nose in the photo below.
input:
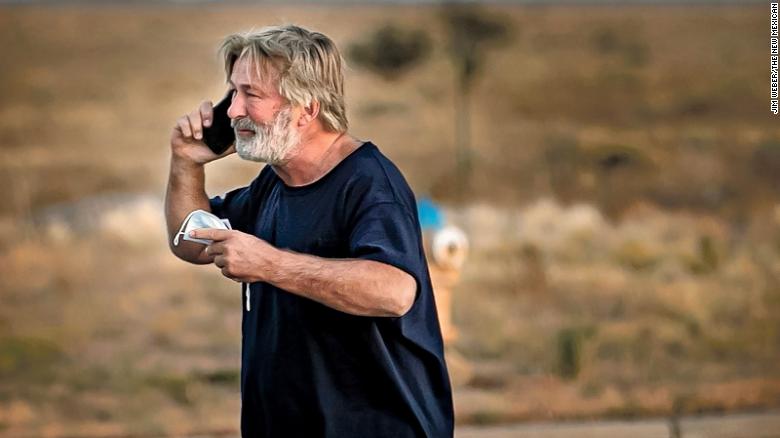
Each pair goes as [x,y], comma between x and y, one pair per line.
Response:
[237,108]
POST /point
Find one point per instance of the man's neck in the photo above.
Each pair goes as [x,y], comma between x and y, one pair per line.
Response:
[315,158]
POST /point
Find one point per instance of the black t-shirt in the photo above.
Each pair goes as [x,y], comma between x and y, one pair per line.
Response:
[312,371]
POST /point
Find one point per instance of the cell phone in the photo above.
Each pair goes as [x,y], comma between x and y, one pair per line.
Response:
[220,135]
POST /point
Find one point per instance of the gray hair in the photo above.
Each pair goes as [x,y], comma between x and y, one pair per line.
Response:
[306,64]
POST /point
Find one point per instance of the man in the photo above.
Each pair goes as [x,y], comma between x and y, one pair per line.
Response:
[340,336]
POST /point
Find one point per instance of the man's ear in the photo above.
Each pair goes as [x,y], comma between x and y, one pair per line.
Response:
[309,113]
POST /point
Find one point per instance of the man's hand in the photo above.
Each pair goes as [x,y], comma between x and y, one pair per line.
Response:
[187,136]
[241,256]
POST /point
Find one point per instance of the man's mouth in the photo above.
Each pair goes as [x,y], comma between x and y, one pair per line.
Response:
[245,132]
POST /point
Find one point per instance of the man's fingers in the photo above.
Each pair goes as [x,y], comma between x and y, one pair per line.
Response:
[226,274]
[196,125]
[184,126]
[206,112]
[215,249]
[219,261]
[191,125]
[214,234]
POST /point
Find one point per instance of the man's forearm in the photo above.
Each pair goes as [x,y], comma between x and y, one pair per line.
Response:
[185,193]
[359,287]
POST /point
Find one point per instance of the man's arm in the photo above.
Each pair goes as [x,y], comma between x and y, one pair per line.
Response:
[185,193]
[186,181]
[359,287]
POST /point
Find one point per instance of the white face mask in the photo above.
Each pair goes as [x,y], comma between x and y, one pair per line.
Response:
[200,219]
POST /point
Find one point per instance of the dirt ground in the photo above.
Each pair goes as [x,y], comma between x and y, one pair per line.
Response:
[623,211]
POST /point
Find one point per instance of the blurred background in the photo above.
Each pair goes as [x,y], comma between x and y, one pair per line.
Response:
[614,167]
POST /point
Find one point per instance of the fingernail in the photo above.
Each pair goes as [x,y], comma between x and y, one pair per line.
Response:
[192,234]
[207,123]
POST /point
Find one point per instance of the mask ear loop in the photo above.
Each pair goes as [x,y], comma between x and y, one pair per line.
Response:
[181,229]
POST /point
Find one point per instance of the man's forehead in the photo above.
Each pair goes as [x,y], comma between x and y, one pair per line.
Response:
[247,73]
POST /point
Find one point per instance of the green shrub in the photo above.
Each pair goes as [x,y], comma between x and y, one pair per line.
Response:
[569,348]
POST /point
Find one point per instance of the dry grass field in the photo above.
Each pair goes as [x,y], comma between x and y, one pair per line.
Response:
[623,210]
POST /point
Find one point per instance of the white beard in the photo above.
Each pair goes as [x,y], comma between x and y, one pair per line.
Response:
[272,143]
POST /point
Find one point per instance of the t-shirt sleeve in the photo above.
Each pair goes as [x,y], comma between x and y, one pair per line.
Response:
[386,232]
[233,206]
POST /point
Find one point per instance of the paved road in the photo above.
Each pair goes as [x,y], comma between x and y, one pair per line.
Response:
[755,425]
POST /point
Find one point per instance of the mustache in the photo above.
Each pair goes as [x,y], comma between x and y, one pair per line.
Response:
[243,123]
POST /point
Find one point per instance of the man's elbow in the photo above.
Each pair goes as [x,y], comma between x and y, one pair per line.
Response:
[404,294]
[190,253]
